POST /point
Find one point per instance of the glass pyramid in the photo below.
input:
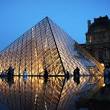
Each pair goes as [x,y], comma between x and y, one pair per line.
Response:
[45,46]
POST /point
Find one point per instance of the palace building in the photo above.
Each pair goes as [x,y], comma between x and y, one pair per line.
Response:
[98,39]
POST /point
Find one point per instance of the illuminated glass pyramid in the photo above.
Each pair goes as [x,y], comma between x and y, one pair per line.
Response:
[45,46]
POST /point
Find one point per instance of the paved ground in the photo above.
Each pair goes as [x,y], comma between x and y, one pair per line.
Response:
[99,101]
[3,107]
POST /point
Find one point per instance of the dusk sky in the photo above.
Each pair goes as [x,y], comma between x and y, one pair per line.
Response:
[17,16]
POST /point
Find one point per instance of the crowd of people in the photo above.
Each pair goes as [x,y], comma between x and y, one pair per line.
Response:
[10,73]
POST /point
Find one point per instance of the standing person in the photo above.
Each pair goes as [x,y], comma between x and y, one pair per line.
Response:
[77,75]
[45,76]
[67,75]
[45,73]
[10,72]
[3,73]
[25,74]
[107,75]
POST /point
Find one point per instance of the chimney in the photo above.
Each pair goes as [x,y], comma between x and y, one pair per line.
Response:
[89,23]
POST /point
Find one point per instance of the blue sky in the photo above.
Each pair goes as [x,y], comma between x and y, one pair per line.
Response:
[17,16]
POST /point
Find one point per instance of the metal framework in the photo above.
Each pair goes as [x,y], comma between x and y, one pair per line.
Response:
[44,46]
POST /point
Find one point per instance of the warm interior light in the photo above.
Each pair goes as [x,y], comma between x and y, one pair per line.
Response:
[90,39]
[103,85]
[102,64]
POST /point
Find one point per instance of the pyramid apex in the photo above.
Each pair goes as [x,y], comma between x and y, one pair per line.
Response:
[46,17]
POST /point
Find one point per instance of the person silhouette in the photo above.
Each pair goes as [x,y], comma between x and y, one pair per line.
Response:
[45,76]
[45,73]
[25,76]
[10,72]
[107,75]
[77,75]
[67,75]
[3,74]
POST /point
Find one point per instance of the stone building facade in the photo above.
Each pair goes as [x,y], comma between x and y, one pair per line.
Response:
[98,39]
